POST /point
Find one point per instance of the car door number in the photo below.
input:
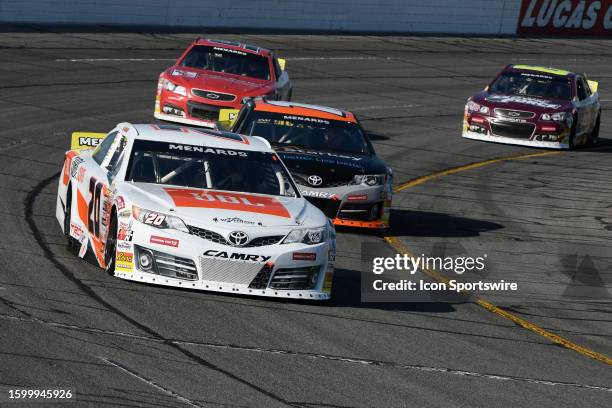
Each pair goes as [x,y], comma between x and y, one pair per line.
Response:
[93,210]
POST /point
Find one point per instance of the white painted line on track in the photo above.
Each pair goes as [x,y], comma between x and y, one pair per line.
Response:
[316,356]
[113,59]
[152,383]
[381,107]
[174,59]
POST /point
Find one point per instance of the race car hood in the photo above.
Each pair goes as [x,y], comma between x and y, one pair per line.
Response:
[524,103]
[213,207]
[330,166]
[218,81]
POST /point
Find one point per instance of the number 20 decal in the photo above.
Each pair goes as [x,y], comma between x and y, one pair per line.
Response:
[154,219]
[93,210]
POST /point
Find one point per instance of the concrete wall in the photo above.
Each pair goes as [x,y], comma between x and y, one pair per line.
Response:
[425,16]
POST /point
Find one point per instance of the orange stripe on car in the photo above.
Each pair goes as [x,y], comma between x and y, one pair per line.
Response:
[227,201]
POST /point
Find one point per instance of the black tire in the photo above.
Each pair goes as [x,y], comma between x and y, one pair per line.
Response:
[110,249]
[289,95]
[594,137]
[572,135]
[72,243]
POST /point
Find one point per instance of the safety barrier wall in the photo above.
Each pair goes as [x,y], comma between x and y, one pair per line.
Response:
[488,17]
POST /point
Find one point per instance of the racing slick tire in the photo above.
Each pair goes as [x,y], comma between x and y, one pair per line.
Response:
[110,249]
[572,135]
[594,136]
[73,243]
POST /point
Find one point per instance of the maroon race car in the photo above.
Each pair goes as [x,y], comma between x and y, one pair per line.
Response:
[535,106]
[216,74]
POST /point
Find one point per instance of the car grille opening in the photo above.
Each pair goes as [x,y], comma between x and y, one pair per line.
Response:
[261,279]
[220,239]
[295,278]
[513,130]
[169,265]
[203,111]
[517,114]
[302,180]
[213,95]
[361,211]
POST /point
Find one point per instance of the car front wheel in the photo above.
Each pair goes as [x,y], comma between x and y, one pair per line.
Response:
[110,250]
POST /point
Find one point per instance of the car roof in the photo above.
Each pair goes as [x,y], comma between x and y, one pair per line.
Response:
[303,109]
[195,136]
[234,45]
[544,70]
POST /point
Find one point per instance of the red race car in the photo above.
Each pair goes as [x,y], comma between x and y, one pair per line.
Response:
[216,74]
[535,106]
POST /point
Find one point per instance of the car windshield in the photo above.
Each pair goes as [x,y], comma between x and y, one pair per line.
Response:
[532,84]
[220,59]
[307,132]
[211,168]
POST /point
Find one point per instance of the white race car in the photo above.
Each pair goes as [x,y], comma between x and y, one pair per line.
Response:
[193,208]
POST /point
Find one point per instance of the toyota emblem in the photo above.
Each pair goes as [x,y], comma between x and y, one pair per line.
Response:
[238,238]
[212,96]
[315,180]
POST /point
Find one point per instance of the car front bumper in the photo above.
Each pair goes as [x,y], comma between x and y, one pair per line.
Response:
[278,270]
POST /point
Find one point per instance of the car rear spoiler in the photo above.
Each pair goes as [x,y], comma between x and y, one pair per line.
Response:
[227,117]
[85,140]
[594,85]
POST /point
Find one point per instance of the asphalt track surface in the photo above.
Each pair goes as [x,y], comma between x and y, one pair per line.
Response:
[544,222]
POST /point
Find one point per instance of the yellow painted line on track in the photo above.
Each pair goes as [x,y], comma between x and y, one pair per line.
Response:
[453,170]
[400,247]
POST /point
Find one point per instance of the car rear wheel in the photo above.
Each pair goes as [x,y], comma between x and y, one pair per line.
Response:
[572,135]
[110,250]
[73,243]
[594,137]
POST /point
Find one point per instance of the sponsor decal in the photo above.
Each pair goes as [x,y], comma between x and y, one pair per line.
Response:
[320,194]
[67,161]
[125,232]
[236,256]
[565,17]
[188,74]
[306,119]
[125,256]
[76,232]
[164,241]
[304,256]
[124,246]
[227,201]
[76,162]
[210,150]
[230,50]
[81,174]
[524,100]
[289,149]
[89,141]
[124,261]
[235,220]
[360,197]
[120,203]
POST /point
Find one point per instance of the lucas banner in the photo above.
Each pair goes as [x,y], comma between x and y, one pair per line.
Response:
[566,17]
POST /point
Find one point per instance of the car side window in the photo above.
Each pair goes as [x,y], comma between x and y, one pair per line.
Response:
[580,89]
[113,163]
[277,69]
[102,150]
